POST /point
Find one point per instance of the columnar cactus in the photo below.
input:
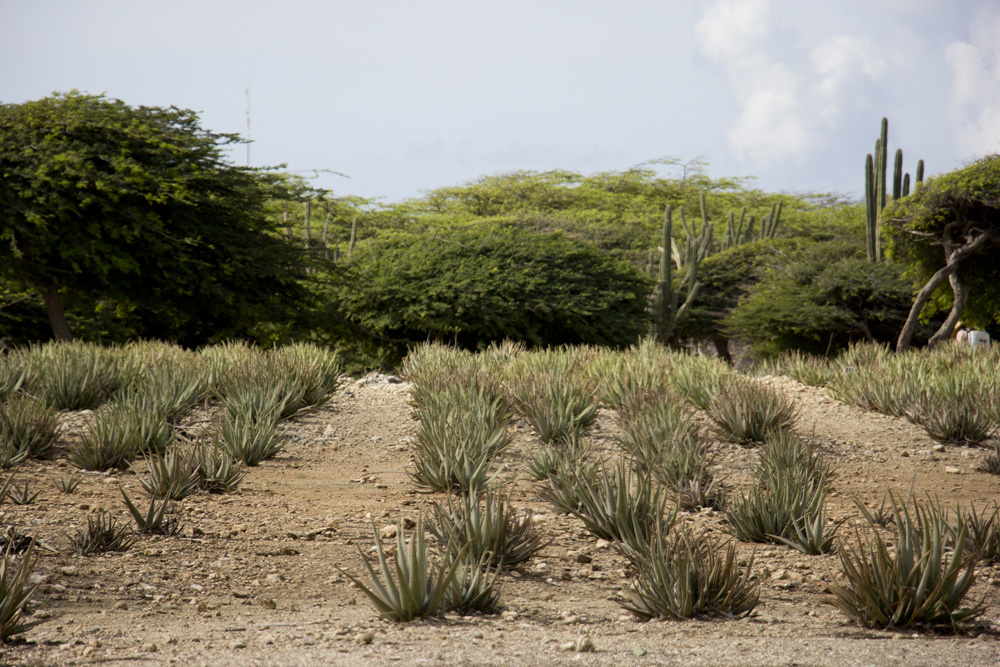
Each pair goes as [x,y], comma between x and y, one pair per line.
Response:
[664,303]
[875,188]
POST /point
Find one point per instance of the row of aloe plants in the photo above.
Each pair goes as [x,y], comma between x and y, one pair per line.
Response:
[665,465]
[952,391]
[138,396]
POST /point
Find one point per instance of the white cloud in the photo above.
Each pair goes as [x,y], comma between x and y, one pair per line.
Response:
[729,29]
[772,123]
[975,98]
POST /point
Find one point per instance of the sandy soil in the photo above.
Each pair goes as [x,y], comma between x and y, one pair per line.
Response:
[254,578]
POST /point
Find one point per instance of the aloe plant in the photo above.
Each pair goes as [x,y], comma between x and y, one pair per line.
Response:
[16,590]
[413,587]
[684,576]
[488,529]
[917,582]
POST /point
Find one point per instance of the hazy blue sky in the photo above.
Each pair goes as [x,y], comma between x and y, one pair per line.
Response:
[405,96]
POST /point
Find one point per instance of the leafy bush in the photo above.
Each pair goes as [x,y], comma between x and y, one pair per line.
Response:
[821,297]
[745,412]
[487,282]
[487,530]
[918,582]
[683,576]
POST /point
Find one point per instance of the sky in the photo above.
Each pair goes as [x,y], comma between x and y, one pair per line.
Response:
[399,97]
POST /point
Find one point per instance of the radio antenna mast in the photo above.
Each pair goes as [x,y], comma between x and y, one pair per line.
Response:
[248,124]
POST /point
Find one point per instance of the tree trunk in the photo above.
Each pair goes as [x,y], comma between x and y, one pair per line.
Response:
[961,295]
[722,349]
[57,319]
[923,296]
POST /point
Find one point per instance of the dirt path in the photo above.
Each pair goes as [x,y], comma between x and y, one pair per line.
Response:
[255,579]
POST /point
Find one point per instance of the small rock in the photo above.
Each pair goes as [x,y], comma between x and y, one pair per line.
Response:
[89,652]
[41,614]
[202,607]
[367,638]
[240,528]
[567,646]
[951,470]
[509,615]
[638,651]
[938,448]
[602,544]
[584,644]
[583,558]
[268,604]
[239,644]
[149,647]
[542,568]
[388,532]
[120,605]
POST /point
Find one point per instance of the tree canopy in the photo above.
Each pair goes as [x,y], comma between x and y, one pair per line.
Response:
[948,229]
[137,209]
[485,282]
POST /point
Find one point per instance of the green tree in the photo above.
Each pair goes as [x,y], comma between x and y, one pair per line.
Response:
[820,298]
[484,282]
[138,209]
[948,230]
[726,278]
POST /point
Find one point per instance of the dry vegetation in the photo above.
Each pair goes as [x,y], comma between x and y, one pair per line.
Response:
[219,507]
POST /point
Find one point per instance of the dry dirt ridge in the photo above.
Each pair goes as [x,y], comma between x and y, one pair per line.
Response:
[254,579]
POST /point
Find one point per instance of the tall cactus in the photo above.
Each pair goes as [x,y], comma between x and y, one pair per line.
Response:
[875,189]
[665,308]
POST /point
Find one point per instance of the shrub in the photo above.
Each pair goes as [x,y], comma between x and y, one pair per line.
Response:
[77,376]
[684,575]
[746,412]
[808,369]
[917,583]
[21,495]
[488,281]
